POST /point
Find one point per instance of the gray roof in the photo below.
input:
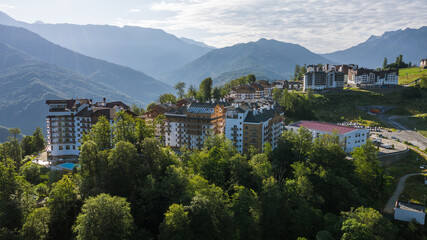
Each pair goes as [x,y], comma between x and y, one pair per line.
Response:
[202,107]
[411,206]
[261,116]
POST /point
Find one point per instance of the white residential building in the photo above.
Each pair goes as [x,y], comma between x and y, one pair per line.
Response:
[247,127]
[321,80]
[407,211]
[68,120]
[366,78]
[350,137]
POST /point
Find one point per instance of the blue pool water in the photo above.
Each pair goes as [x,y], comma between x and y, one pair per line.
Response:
[68,166]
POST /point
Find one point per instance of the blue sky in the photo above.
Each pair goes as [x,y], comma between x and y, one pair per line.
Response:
[320,25]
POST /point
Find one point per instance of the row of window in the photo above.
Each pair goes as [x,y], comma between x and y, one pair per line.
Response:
[67,147]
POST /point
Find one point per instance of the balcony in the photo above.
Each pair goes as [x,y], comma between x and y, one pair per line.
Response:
[64,142]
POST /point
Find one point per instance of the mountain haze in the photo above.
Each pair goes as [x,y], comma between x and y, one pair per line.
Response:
[268,58]
[411,43]
[152,51]
[26,83]
[126,80]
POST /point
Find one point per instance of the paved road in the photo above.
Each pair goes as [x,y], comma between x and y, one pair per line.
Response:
[389,207]
[403,133]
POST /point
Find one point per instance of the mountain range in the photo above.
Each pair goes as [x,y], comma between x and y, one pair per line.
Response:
[171,59]
[125,80]
[46,61]
[148,50]
[26,83]
[270,59]
[411,43]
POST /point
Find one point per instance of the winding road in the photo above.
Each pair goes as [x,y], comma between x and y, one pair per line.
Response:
[389,207]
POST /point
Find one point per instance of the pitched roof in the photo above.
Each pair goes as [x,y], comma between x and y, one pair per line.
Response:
[325,127]
[411,206]
[261,116]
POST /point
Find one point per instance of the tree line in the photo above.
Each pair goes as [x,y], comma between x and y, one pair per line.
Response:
[399,63]
[204,93]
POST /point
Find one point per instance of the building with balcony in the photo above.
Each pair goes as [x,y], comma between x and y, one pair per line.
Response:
[190,125]
[68,120]
[246,126]
[323,80]
[367,78]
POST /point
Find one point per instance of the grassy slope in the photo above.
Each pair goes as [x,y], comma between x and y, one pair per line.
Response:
[409,75]
[342,106]
[408,165]
[415,190]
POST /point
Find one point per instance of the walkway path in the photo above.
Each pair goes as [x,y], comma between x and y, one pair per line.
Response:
[389,207]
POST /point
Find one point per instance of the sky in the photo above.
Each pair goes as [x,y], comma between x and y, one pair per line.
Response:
[320,25]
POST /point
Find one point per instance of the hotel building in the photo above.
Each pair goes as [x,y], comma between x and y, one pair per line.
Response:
[190,125]
[68,120]
[350,137]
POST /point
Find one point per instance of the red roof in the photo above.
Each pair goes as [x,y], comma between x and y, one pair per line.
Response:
[325,127]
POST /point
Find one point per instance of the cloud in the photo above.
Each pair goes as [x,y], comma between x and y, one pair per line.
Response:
[135,10]
[321,25]
[6,6]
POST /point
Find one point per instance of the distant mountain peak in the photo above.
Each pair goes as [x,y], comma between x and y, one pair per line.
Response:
[371,53]
[197,43]
[373,37]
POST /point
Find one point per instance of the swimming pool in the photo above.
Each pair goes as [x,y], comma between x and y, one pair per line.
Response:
[67,166]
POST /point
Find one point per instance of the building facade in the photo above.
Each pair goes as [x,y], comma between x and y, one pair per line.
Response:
[366,78]
[423,63]
[192,124]
[256,90]
[350,137]
[247,127]
[407,211]
[68,120]
[323,80]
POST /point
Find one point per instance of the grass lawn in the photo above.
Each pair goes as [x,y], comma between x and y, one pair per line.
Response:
[396,170]
[409,75]
[342,106]
[415,190]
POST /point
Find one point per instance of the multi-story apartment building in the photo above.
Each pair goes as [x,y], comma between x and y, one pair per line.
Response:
[256,90]
[349,136]
[247,127]
[366,78]
[242,92]
[190,125]
[68,120]
[267,86]
[423,63]
[323,80]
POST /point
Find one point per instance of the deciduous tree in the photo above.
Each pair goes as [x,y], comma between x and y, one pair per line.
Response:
[104,217]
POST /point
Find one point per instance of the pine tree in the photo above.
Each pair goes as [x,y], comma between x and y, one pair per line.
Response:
[385,63]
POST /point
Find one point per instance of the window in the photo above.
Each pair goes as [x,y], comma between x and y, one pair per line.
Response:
[67,147]
[61,148]
[74,147]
